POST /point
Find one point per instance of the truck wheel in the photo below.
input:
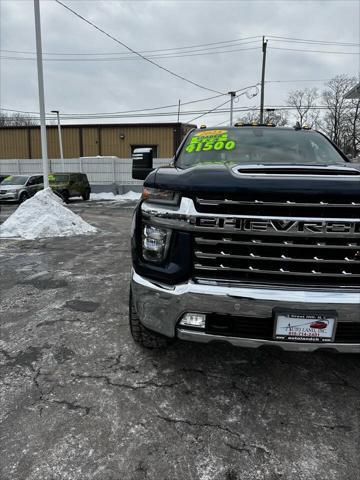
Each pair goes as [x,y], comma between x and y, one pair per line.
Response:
[142,335]
[86,195]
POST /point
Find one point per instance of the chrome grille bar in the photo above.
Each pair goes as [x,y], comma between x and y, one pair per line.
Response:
[282,258]
[283,272]
[228,201]
[231,204]
[293,243]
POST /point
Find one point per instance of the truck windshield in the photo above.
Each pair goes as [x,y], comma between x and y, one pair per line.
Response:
[257,145]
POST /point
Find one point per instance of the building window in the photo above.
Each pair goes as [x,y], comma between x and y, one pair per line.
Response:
[154,149]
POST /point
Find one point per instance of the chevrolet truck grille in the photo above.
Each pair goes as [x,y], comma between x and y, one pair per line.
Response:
[289,250]
[273,256]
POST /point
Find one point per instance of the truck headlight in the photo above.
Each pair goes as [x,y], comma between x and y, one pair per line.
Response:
[155,243]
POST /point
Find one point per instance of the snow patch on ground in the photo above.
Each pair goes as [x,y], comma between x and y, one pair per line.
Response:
[44,215]
[125,197]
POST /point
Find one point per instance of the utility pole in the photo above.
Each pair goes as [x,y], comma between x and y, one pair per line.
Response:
[264,45]
[44,152]
[178,115]
[60,139]
[232,96]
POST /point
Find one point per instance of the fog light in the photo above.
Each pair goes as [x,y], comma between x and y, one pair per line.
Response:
[193,320]
[155,243]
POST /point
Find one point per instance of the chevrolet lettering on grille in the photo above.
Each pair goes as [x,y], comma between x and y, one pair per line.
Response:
[278,226]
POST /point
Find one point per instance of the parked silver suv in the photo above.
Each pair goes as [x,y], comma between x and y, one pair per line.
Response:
[18,188]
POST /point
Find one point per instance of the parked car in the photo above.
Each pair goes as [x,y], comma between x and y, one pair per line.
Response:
[18,188]
[68,185]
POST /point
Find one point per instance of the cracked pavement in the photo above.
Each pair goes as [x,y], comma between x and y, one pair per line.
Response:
[81,401]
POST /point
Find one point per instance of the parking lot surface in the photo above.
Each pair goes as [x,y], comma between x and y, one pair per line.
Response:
[79,400]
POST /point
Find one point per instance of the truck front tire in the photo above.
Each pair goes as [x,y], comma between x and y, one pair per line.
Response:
[141,335]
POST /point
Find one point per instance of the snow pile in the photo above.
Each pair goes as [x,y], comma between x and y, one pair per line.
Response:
[125,197]
[44,215]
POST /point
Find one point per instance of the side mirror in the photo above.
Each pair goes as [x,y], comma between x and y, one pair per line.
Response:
[142,163]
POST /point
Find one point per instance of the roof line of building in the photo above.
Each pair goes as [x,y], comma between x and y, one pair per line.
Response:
[101,125]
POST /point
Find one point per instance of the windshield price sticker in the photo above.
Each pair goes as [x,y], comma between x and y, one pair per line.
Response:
[213,140]
[211,133]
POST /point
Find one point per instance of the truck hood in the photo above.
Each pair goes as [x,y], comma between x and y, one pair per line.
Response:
[263,181]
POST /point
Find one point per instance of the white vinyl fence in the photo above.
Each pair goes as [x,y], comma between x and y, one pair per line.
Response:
[100,170]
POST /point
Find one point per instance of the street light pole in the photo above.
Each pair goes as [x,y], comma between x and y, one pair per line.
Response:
[44,152]
[60,139]
[232,96]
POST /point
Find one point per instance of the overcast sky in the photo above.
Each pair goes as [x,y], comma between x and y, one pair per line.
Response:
[109,86]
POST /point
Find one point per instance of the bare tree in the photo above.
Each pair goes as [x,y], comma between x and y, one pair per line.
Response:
[305,102]
[352,120]
[16,120]
[277,117]
[340,123]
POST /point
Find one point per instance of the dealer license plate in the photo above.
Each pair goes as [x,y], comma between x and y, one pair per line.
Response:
[305,326]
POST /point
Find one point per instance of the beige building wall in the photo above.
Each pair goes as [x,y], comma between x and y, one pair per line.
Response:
[90,137]
[118,140]
[14,143]
[91,140]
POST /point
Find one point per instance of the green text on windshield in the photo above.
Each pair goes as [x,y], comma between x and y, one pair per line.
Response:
[257,145]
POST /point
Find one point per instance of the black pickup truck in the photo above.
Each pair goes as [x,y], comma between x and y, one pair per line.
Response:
[251,236]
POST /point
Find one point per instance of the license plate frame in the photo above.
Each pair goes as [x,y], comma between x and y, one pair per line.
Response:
[299,326]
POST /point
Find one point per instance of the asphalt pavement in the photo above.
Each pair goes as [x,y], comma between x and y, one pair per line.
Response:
[80,401]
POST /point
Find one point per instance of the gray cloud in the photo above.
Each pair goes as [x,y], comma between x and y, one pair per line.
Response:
[113,86]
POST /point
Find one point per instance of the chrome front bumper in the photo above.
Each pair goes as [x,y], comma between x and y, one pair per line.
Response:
[160,307]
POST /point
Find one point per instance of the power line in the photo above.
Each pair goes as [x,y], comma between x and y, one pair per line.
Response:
[117,59]
[200,113]
[299,81]
[303,40]
[134,51]
[125,111]
[190,47]
[189,112]
[313,51]
[165,56]
[89,115]
[209,111]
